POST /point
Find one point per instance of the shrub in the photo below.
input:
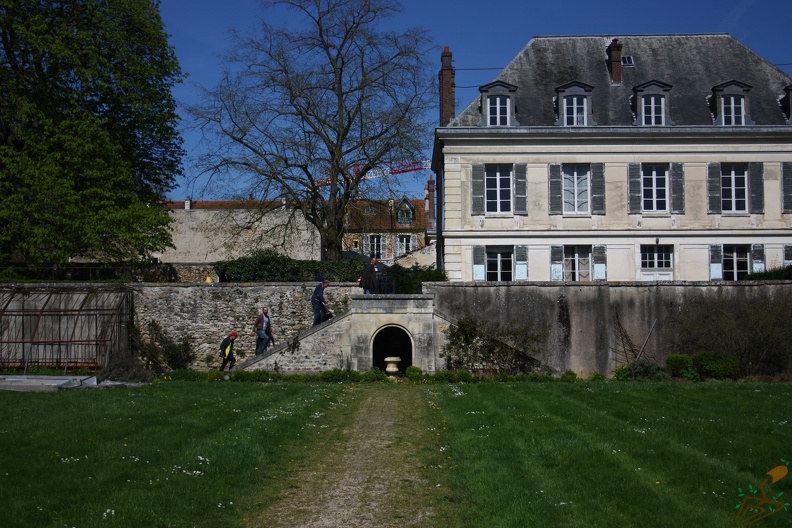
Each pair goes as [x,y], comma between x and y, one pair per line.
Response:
[268,266]
[464,376]
[690,374]
[676,363]
[569,376]
[621,373]
[443,376]
[597,376]
[538,377]
[413,373]
[374,375]
[408,280]
[714,365]
[159,352]
[643,369]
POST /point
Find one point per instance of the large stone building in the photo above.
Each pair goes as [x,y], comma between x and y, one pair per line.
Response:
[618,158]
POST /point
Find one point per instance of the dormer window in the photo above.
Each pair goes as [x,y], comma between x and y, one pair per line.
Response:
[405,214]
[573,105]
[497,104]
[729,104]
[650,104]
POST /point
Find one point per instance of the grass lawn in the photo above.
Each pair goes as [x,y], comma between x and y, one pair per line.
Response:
[181,454]
[612,454]
[172,454]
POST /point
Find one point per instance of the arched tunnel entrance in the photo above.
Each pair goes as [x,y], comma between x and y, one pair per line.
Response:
[392,341]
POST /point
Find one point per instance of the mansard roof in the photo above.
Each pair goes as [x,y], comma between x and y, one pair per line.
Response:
[691,64]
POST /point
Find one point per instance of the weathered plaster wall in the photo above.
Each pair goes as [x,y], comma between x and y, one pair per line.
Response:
[577,321]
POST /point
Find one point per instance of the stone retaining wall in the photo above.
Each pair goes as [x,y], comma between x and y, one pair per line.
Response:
[207,313]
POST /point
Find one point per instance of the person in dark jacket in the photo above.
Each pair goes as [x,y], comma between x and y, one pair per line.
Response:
[263,329]
[318,302]
[227,351]
[368,281]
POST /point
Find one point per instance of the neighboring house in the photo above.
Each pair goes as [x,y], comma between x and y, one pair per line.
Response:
[390,229]
[641,157]
[208,231]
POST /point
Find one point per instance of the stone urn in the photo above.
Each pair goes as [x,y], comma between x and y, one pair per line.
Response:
[392,367]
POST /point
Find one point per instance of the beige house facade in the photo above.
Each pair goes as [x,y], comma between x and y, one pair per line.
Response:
[602,158]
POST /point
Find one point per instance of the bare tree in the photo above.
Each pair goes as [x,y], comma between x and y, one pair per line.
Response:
[309,111]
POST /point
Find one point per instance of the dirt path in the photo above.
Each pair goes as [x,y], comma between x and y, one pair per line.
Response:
[368,467]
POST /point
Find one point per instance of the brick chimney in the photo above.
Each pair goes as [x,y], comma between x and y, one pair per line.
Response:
[429,205]
[614,51]
[447,88]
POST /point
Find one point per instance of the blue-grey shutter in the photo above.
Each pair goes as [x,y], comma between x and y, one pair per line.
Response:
[634,188]
[787,255]
[479,263]
[716,262]
[477,190]
[366,245]
[598,188]
[599,257]
[521,263]
[756,179]
[757,258]
[521,189]
[714,188]
[678,188]
[555,189]
[786,179]
[556,263]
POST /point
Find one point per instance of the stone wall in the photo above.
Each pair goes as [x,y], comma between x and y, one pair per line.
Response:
[207,313]
[578,321]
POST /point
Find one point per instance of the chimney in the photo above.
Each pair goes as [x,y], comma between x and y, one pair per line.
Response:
[614,61]
[447,88]
[429,203]
[187,203]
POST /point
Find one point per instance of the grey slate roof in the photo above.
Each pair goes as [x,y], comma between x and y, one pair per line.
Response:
[691,64]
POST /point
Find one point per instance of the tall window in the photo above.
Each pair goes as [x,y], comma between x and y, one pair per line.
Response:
[734,187]
[498,110]
[577,263]
[656,257]
[653,110]
[404,215]
[403,245]
[498,188]
[735,262]
[376,246]
[733,109]
[576,188]
[500,264]
[654,187]
[575,110]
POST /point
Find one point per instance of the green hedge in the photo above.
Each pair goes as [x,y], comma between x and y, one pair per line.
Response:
[714,365]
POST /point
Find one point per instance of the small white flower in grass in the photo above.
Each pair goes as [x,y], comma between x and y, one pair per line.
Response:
[108,512]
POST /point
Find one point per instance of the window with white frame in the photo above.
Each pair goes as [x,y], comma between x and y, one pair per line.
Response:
[656,257]
[376,246]
[500,263]
[575,110]
[404,244]
[654,187]
[733,110]
[576,188]
[577,263]
[405,214]
[735,262]
[498,110]
[653,110]
[734,187]
[498,188]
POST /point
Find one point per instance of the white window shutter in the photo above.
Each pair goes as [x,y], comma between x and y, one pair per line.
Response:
[366,245]
[520,263]
[716,262]
[479,263]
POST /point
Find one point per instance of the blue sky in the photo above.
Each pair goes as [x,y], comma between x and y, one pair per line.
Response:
[480,35]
